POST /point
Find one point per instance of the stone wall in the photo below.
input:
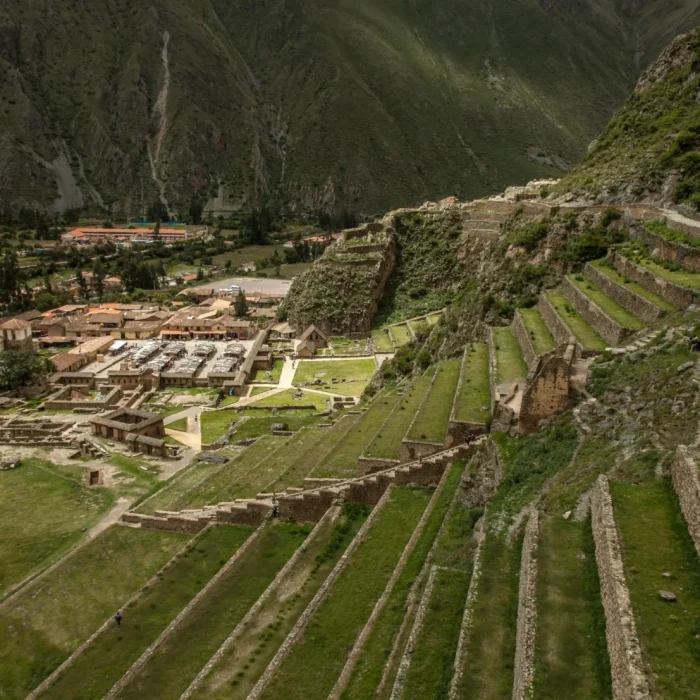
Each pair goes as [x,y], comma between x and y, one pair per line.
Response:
[673,293]
[686,482]
[626,663]
[638,305]
[679,253]
[460,432]
[691,230]
[524,668]
[174,523]
[61,401]
[524,340]
[370,465]
[416,449]
[554,321]
[610,331]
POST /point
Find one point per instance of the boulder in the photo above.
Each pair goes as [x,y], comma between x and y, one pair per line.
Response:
[212,458]
[667,596]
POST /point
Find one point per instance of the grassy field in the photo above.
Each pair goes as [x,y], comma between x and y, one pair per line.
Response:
[655,539]
[112,654]
[638,289]
[571,656]
[619,314]
[510,365]
[349,346]
[259,423]
[542,339]
[234,676]
[400,334]
[342,462]
[314,663]
[174,665]
[43,509]
[286,398]
[256,390]
[308,370]
[370,665]
[583,332]
[382,341]
[434,318]
[215,423]
[228,401]
[474,399]
[55,614]
[387,443]
[261,375]
[355,389]
[431,423]
[179,424]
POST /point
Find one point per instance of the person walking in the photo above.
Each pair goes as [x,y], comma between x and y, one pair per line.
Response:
[118,618]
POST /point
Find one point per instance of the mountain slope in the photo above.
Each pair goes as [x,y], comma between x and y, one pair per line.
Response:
[321,103]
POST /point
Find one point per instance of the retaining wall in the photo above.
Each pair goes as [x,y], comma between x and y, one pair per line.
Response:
[686,482]
[417,449]
[523,337]
[555,322]
[684,255]
[370,465]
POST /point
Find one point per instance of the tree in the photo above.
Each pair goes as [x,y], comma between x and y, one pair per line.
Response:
[196,209]
[82,284]
[241,304]
[200,274]
[47,280]
[45,301]
[98,278]
[20,368]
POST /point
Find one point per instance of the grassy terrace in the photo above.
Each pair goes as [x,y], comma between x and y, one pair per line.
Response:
[400,334]
[638,289]
[655,539]
[431,423]
[683,278]
[43,508]
[349,346]
[296,470]
[261,375]
[571,657]
[342,461]
[619,314]
[541,337]
[510,365]
[360,369]
[168,673]
[433,659]
[112,654]
[387,443]
[180,424]
[474,400]
[382,341]
[315,662]
[368,672]
[259,422]
[234,676]
[418,326]
[661,228]
[51,617]
[580,329]
[214,424]
[434,318]
[286,398]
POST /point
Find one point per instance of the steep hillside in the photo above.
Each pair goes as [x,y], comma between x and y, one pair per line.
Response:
[358,104]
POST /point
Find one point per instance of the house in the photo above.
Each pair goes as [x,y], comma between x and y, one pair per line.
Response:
[125,236]
[306,350]
[141,430]
[282,330]
[49,326]
[17,334]
[93,347]
[107,319]
[138,330]
[316,336]
[69,362]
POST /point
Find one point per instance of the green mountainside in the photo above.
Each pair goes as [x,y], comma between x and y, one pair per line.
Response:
[328,104]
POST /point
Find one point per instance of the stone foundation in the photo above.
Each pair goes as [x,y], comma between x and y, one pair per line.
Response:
[686,482]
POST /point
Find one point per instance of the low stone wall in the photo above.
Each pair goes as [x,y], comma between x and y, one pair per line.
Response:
[524,340]
[610,331]
[684,255]
[171,524]
[686,482]
[638,305]
[417,449]
[626,663]
[61,403]
[673,293]
[693,231]
[460,432]
[554,321]
[370,465]
[524,667]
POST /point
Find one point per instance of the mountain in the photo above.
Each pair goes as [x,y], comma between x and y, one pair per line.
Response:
[356,104]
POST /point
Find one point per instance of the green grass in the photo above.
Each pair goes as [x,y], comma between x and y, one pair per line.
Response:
[541,337]
[261,375]
[474,399]
[582,331]
[313,665]
[229,400]
[215,423]
[510,365]
[387,443]
[349,346]
[174,665]
[662,229]
[342,462]
[654,539]
[256,390]
[431,423]
[683,278]
[113,652]
[259,424]
[235,674]
[308,370]
[419,326]
[434,318]
[354,389]
[54,615]
[400,334]
[571,656]
[43,509]
[638,289]
[286,398]
[382,341]
[289,271]
[179,424]
[619,314]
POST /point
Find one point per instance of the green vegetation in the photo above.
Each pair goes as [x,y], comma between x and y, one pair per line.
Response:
[387,443]
[262,375]
[661,228]
[419,326]
[579,328]
[287,398]
[474,399]
[256,390]
[638,289]
[654,538]
[510,365]
[433,318]
[400,334]
[571,656]
[308,370]
[639,254]
[312,666]
[541,337]
[179,424]
[214,424]
[174,665]
[240,667]
[349,346]
[258,423]
[55,614]
[431,423]
[624,318]
[382,341]
[43,509]
[113,652]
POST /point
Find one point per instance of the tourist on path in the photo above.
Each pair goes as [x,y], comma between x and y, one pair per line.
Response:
[118,618]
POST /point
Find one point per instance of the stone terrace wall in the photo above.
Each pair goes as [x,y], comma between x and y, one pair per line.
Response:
[686,482]
[555,322]
[638,305]
[370,465]
[415,449]
[679,253]
[673,293]
[610,331]
[523,338]
[627,666]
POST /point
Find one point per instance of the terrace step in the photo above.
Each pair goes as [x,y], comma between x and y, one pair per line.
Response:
[533,335]
[565,323]
[668,244]
[507,359]
[612,322]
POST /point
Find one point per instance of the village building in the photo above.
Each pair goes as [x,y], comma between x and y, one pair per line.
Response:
[141,430]
[68,362]
[16,334]
[126,236]
[306,350]
[315,336]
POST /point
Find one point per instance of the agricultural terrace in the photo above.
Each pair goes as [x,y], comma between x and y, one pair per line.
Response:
[541,337]
[618,313]
[288,398]
[349,346]
[327,370]
[584,333]
[400,334]
[262,375]
[474,398]
[382,341]
[510,365]
[214,424]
